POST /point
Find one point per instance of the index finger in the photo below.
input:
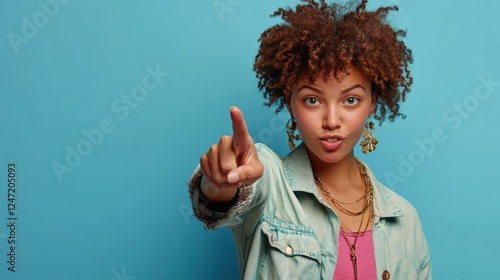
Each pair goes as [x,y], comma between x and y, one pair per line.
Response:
[240,130]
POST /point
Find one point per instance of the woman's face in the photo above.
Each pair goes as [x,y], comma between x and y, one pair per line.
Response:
[331,115]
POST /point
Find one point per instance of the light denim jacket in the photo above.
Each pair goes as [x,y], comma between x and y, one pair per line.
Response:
[283,229]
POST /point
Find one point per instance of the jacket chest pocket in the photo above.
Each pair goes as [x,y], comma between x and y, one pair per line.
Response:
[292,252]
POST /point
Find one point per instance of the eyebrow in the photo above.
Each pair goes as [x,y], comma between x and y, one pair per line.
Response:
[309,87]
[341,92]
[353,87]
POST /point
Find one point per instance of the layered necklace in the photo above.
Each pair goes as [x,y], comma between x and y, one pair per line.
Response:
[368,206]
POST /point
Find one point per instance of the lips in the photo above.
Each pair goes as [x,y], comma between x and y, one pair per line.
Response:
[331,137]
[331,142]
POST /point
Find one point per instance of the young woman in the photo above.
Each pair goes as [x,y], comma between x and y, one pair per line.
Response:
[319,212]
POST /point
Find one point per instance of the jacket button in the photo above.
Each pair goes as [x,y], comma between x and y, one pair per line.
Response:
[386,275]
[288,250]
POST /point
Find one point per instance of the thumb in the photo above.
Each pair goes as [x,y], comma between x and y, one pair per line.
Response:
[246,174]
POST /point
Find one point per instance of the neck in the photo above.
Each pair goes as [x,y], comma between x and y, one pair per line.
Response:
[339,176]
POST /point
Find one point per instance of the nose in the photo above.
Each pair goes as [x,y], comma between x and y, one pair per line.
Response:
[331,118]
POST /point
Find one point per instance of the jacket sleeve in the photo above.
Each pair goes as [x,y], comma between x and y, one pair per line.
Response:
[250,199]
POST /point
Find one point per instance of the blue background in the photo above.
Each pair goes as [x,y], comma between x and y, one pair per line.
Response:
[122,211]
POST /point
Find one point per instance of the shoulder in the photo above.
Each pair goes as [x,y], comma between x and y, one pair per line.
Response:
[399,201]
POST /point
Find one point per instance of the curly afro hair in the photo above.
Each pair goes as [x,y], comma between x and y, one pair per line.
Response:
[317,39]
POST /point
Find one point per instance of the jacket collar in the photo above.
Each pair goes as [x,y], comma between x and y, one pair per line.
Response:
[300,178]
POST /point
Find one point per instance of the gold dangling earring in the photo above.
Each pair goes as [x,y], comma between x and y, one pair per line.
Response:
[291,126]
[368,140]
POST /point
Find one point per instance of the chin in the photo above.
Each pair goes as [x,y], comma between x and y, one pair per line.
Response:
[330,157]
[333,159]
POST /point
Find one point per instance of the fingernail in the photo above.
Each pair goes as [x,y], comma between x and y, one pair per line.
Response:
[233,178]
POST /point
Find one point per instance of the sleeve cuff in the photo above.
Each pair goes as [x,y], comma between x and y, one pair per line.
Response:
[216,207]
[210,214]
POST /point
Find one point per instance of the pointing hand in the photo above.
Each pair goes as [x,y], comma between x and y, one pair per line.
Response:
[233,161]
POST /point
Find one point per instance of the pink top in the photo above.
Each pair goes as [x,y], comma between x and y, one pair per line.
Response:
[365,257]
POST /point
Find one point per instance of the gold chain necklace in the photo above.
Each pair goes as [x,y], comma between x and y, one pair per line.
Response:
[334,201]
[337,203]
[323,189]
[368,206]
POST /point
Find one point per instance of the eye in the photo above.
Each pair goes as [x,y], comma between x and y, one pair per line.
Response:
[351,100]
[311,101]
